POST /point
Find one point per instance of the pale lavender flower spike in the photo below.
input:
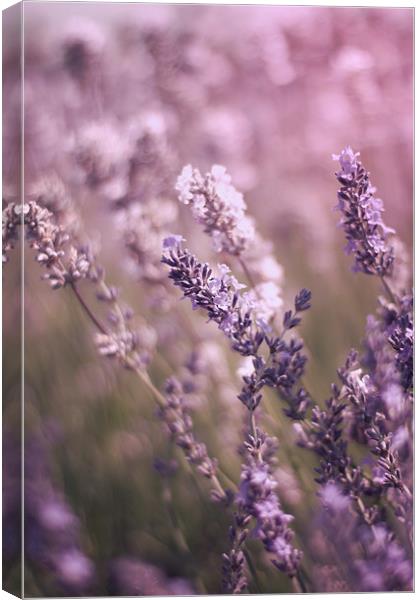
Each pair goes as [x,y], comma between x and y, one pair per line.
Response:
[218,206]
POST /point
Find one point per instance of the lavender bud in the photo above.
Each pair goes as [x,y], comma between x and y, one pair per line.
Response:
[303,300]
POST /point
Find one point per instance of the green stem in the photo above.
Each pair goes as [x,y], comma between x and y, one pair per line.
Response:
[247,272]
[388,289]
[253,570]
[298,582]
[87,310]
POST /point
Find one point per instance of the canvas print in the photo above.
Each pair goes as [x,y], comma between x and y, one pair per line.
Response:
[207,299]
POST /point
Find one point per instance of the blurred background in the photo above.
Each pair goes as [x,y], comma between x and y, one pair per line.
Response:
[118,98]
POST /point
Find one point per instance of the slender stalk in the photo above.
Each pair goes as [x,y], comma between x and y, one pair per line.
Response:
[247,272]
[177,531]
[301,583]
[179,535]
[87,310]
[142,375]
[253,570]
[388,289]
[297,585]
[227,477]
[253,429]
[215,481]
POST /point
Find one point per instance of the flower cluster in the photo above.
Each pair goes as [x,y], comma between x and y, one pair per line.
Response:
[241,316]
[284,367]
[257,497]
[218,295]
[50,192]
[175,413]
[218,206]
[358,389]
[11,220]
[366,234]
[114,109]
[324,436]
[379,361]
[234,571]
[132,344]
[65,263]
[401,341]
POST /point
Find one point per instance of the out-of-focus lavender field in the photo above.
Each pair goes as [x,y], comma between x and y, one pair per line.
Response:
[118,100]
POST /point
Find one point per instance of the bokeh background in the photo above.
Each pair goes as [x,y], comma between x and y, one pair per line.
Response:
[269,92]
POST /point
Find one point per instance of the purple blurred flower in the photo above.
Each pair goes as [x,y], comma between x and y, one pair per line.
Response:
[385,566]
[74,570]
[52,530]
[129,576]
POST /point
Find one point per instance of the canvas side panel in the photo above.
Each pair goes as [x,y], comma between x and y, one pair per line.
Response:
[12,303]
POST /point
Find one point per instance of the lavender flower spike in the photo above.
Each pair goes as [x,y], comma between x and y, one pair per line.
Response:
[176,416]
[366,234]
[218,206]
[257,497]
[217,294]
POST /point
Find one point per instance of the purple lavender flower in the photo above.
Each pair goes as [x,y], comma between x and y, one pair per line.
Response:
[401,340]
[325,437]
[234,565]
[218,296]
[257,498]
[357,388]
[303,300]
[284,367]
[379,361]
[11,219]
[366,234]
[175,414]
[65,263]
[176,417]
